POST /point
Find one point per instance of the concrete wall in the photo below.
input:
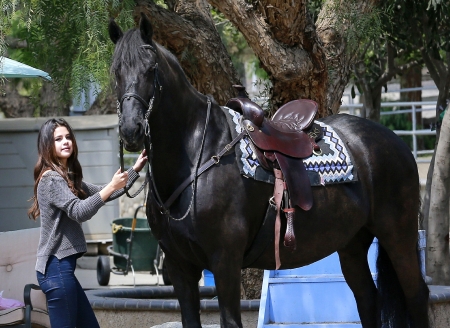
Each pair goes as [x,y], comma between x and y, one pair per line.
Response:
[97,140]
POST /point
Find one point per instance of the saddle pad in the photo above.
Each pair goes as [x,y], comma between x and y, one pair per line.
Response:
[334,165]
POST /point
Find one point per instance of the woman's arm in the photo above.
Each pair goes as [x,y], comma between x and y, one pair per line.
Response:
[132,177]
[53,190]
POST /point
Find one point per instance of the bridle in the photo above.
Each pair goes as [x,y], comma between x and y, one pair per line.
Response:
[164,207]
[149,105]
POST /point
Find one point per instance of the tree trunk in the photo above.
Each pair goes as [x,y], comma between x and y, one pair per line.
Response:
[50,103]
[252,280]
[371,94]
[339,58]
[437,239]
[46,103]
[438,260]
[283,37]
[373,113]
[281,34]
[190,34]
[12,104]
[412,78]
[105,103]
[426,199]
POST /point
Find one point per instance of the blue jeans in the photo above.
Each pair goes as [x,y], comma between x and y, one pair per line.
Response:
[68,305]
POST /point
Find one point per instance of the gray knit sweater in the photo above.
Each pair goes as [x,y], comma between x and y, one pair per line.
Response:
[62,214]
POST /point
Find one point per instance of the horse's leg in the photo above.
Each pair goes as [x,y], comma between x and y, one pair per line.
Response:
[185,278]
[227,276]
[354,265]
[405,262]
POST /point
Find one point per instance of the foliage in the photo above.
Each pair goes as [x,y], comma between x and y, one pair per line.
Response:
[411,31]
[8,8]
[427,22]
[363,27]
[71,37]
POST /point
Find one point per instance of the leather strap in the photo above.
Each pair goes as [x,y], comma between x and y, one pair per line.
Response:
[289,236]
[277,196]
[214,160]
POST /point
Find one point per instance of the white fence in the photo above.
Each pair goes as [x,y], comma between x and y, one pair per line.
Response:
[407,107]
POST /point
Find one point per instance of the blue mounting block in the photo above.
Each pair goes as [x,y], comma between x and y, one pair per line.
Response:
[314,296]
[208,278]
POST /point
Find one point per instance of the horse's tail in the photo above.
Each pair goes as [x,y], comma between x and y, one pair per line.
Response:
[391,297]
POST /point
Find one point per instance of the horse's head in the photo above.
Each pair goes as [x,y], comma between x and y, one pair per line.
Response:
[134,66]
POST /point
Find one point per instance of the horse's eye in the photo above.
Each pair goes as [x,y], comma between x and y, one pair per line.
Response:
[151,69]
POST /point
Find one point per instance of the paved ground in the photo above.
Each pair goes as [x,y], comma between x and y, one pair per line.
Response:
[179,325]
[423,171]
[86,273]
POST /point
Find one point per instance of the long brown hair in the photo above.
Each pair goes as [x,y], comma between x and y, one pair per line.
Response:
[47,160]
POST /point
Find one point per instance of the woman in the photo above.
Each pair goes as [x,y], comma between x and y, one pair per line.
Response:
[63,201]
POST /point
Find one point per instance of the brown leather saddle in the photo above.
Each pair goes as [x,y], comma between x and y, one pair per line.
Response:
[280,144]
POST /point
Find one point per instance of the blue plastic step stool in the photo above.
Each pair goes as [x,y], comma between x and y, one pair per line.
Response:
[314,296]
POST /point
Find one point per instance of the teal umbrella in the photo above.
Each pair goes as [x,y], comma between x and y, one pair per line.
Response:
[11,68]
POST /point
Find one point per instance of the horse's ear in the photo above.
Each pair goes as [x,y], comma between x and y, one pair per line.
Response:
[115,32]
[146,29]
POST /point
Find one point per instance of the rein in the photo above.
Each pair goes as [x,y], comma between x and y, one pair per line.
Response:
[163,208]
[214,160]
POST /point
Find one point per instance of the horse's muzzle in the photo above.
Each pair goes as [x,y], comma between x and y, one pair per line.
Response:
[133,136]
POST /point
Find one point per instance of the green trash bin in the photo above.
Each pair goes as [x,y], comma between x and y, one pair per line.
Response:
[143,251]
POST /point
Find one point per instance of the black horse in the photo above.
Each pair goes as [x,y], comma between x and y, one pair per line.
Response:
[213,222]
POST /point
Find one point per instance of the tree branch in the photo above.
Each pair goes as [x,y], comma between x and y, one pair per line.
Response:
[390,56]
[387,76]
[434,73]
[183,32]
[282,63]
[286,20]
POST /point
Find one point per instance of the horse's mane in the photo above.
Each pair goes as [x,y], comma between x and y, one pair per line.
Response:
[129,50]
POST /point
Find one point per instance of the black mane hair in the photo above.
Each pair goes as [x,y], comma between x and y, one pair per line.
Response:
[129,50]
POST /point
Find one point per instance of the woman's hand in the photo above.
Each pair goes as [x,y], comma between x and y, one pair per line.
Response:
[118,181]
[140,162]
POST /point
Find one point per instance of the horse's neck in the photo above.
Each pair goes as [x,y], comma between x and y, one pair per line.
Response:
[178,143]
[177,133]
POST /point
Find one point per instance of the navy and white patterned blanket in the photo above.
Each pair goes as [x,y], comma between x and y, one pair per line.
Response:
[334,165]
